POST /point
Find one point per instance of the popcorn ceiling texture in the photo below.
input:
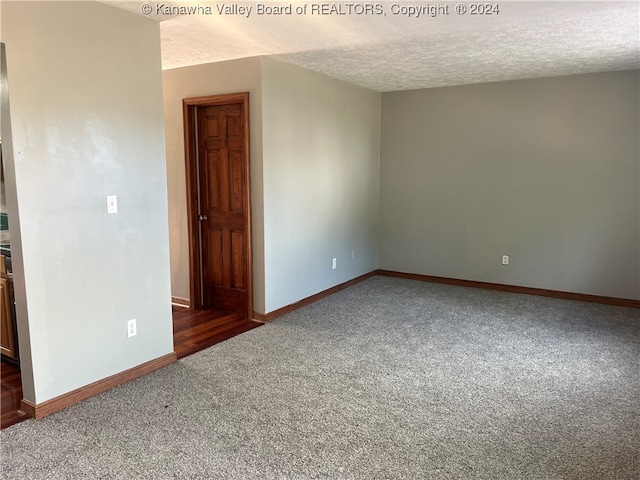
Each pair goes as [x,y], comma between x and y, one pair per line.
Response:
[591,40]
[393,52]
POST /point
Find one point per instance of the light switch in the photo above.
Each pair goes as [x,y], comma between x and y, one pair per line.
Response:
[112,204]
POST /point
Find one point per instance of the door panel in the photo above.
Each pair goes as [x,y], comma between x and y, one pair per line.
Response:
[214,255]
[237,260]
[235,125]
[237,173]
[213,177]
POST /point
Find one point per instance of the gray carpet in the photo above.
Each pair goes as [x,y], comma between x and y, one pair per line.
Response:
[389,379]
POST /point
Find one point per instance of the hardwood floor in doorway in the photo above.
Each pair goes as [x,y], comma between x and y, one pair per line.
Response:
[11,394]
[197,329]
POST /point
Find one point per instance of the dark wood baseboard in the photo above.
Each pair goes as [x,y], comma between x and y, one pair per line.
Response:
[581,297]
[261,317]
[184,302]
[66,400]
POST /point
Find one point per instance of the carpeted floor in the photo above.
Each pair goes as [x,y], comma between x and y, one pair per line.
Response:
[389,379]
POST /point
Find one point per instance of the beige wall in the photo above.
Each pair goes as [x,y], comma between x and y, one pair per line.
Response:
[321,160]
[85,92]
[211,79]
[546,171]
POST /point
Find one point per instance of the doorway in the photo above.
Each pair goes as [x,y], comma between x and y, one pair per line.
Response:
[219,202]
[10,373]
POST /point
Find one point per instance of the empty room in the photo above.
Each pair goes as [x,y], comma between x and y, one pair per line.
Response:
[259,240]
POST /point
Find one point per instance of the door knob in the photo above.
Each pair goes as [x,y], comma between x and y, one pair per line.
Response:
[202,217]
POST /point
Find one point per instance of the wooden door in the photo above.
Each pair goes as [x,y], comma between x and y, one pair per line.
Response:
[223,180]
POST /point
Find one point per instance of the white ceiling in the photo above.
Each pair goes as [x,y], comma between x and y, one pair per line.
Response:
[393,52]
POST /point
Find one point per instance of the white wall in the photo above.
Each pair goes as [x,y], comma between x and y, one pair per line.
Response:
[546,171]
[321,160]
[202,80]
[85,91]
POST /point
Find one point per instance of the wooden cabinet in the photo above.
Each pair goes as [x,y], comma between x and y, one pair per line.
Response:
[7,330]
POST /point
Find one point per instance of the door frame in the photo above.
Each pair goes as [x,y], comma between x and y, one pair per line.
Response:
[189,109]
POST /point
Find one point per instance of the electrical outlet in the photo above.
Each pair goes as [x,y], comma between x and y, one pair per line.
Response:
[505,259]
[353,254]
[334,265]
[131,328]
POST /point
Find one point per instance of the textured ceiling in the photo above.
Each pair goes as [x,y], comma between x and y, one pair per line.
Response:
[389,52]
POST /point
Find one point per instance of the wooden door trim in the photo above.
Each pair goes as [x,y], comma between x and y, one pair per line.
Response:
[189,107]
